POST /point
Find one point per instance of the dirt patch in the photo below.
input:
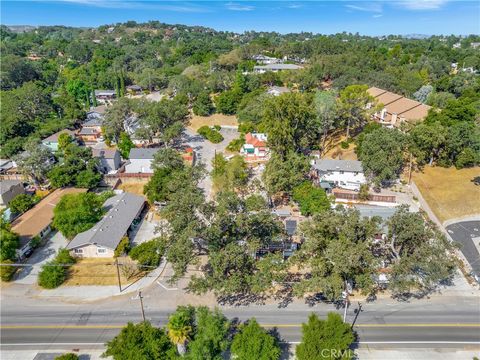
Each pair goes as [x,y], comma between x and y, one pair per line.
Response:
[216,119]
[450,193]
[101,272]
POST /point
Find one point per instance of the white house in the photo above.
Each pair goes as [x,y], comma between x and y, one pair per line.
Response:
[346,174]
[255,147]
[277,90]
[140,161]
[263,59]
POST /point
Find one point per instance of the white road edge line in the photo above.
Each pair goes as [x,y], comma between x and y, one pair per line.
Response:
[283,342]
[163,286]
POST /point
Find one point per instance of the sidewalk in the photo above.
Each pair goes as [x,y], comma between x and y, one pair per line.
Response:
[93,293]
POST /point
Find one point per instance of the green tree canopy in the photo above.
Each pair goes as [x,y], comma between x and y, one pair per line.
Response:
[328,339]
[284,174]
[312,199]
[76,213]
[252,342]
[140,341]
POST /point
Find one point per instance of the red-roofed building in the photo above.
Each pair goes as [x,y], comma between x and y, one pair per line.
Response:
[255,147]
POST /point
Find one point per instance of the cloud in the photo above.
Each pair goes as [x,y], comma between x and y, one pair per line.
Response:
[373,7]
[121,4]
[422,4]
[377,16]
[239,7]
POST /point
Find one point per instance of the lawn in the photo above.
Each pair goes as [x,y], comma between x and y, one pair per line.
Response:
[98,272]
[450,193]
[216,119]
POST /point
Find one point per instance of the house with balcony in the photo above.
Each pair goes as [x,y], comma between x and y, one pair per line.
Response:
[345,174]
[397,109]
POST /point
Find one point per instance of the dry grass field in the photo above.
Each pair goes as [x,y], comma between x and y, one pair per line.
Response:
[133,187]
[450,193]
[98,272]
[216,119]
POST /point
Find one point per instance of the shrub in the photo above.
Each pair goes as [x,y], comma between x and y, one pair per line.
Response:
[236,144]
[7,272]
[52,275]
[255,202]
[344,145]
[64,258]
[69,356]
[210,134]
[217,127]
[123,247]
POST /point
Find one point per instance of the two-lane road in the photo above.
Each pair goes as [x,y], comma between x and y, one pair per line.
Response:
[448,322]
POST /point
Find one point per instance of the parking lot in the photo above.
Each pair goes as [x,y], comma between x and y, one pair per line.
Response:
[467,234]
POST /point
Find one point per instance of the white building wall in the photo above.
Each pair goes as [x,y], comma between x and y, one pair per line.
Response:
[139,166]
[346,180]
[92,251]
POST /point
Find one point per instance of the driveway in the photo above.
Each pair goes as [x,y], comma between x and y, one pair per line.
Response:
[143,232]
[467,233]
[28,275]
[205,151]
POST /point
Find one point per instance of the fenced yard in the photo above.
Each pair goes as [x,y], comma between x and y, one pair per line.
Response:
[450,193]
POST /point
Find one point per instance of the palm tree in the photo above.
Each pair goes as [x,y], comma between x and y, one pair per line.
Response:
[179,330]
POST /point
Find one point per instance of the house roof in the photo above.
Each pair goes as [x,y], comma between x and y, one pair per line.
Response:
[31,223]
[254,141]
[278,67]
[370,211]
[408,109]
[105,92]
[6,185]
[54,137]
[143,153]
[290,227]
[338,165]
[134,87]
[6,164]
[93,122]
[121,209]
[88,131]
[105,153]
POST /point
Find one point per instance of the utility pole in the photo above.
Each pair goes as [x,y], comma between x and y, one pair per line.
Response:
[118,276]
[141,305]
[410,170]
[346,302]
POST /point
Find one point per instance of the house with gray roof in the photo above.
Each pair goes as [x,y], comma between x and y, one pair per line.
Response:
[260,69]
[9,189]
[140,160]
[103,238]
[109,160]
[277,90]
[346,174]
[103,95]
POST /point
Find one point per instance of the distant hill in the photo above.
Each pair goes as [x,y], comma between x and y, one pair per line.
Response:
[21,28]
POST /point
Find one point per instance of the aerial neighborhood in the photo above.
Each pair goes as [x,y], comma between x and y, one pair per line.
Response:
[237,169]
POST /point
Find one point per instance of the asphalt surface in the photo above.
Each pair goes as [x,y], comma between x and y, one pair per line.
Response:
[465,233]
[448,322]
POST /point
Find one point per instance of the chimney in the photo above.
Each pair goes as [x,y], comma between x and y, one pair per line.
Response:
[383,113]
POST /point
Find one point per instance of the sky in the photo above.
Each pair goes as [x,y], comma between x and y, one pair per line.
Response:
[430,17]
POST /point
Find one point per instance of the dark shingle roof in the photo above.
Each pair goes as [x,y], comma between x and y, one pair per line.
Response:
[6,185]
[105,153]
[108,232]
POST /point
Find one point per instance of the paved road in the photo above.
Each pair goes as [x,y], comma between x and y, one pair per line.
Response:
[440,322]
[465,233]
